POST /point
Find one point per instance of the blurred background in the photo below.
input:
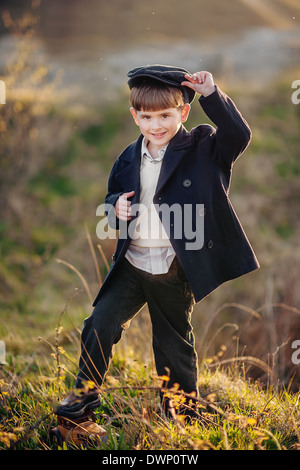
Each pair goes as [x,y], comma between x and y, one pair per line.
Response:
[66,119]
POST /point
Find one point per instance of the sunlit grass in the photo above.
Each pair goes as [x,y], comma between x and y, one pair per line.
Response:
[233,413]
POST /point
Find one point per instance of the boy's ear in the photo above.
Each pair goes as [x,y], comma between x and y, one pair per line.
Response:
[134,115]
[185,112]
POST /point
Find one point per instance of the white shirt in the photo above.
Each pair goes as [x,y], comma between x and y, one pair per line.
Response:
[153,259]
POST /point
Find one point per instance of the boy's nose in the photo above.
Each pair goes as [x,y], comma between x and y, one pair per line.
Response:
[156,125]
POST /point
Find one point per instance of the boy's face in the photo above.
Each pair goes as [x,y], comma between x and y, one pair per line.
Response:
[159,127]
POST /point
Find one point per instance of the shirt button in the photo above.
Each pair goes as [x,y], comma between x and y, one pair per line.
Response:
[210,244]
[202,211]
[187,183]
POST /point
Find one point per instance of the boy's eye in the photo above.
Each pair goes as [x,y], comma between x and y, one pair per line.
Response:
[165,116]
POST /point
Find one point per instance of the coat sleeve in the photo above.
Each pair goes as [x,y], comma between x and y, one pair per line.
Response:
[233,133]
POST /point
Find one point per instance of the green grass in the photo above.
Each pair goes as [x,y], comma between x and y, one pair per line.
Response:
[234,414]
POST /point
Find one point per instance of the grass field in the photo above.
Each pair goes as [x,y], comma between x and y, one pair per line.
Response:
[54,165]
[234,414]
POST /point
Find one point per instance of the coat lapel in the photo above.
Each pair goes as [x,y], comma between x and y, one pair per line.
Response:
[177,148]
[130,175]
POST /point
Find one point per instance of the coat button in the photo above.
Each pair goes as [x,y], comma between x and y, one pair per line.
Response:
[210,244]
[187,183]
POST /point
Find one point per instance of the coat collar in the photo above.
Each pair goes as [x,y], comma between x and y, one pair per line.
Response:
[176,149]
[180,141]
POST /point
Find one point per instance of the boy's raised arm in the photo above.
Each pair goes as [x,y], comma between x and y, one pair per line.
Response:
[233,133]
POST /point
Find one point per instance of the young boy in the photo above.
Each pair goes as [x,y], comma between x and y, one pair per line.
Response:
[184,240]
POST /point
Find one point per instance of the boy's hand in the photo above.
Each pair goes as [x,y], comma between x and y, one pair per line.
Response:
[122,206]
[200,82]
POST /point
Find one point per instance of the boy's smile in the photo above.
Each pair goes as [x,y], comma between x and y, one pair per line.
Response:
[159,127]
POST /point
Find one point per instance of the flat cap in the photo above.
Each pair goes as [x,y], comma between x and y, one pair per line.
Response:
[168,74]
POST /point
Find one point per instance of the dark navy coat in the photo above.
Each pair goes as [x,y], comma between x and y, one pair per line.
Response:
[196,171]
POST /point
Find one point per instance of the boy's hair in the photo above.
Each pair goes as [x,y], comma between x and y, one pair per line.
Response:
[155,97]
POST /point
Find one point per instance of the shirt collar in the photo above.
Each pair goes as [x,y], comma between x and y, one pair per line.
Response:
[146,153]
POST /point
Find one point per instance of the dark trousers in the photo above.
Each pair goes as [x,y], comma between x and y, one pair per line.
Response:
[170,303]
